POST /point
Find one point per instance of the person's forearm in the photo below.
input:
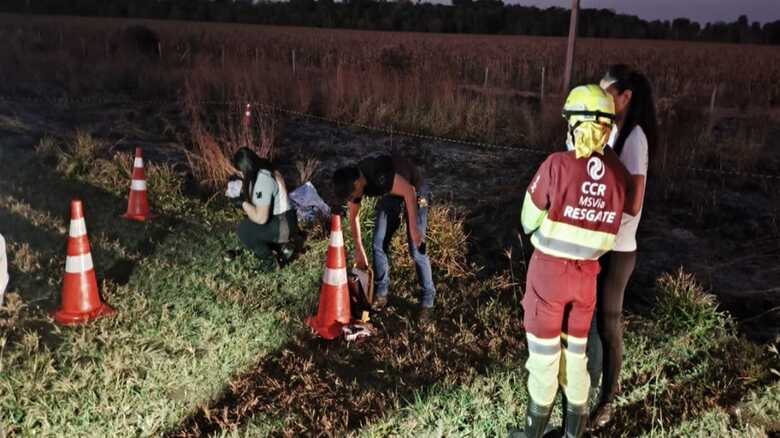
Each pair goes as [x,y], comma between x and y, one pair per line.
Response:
[255,214]
[357,236]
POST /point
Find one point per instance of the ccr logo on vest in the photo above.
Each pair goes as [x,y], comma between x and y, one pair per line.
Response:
[596,168]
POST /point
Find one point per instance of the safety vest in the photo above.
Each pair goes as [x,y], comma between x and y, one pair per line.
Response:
[574,206]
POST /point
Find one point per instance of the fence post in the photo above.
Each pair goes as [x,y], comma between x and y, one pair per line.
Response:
[487,70]
[713,99]
[159,49]
[541,89]
[293,61]
[575,9]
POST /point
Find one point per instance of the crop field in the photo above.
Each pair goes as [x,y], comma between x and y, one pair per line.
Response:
[204,347]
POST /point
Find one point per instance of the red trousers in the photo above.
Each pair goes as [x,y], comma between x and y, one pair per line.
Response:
[560,296]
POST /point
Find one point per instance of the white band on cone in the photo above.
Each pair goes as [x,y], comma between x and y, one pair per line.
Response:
[78,264]
[138,162]
[78,227]
[335,277]
[336,239]
[138,185]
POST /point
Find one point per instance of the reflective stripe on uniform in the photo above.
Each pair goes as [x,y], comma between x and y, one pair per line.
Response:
[335,277]
[543,346]
[574,344]
[574,377]
[543,369]
[78,227]
[138,185]
[531,216]
[78,264]
[571,242]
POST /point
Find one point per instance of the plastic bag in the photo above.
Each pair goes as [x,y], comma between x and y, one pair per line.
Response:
[308,204]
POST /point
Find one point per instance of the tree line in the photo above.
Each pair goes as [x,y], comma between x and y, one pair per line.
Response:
[462,16]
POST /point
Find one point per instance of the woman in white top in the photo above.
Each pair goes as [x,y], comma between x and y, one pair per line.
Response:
[635,139]
[271,221]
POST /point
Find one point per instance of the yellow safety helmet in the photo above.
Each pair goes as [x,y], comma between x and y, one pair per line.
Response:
[588,111]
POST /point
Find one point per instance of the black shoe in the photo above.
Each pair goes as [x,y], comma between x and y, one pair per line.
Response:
[379,303]
[536,418]
[285,254]
[265,266]
[425,315]
[231,255]
[576,420]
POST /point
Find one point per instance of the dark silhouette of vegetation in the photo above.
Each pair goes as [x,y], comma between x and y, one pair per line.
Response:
[463,16]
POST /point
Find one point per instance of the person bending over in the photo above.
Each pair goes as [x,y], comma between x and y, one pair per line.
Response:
[400,186]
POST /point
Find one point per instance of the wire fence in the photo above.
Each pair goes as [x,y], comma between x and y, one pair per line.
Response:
[271,108]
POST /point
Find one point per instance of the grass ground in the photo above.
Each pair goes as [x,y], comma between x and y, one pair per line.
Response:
[200,346]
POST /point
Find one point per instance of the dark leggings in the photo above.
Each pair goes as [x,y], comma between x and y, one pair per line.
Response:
[605,339]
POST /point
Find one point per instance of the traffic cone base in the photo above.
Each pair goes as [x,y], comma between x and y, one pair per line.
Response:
[334,306]
[67,318]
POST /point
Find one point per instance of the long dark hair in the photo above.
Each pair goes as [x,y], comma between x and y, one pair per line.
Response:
[249,163]
[641,108]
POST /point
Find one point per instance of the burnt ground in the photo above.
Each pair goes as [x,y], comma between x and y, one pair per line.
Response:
[723,229]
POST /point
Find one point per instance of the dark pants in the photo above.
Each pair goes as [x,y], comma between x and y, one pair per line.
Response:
[259,238]
[605,339]
[386,223]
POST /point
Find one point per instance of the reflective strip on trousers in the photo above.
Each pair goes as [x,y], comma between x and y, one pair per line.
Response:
[574,377]
[543,369]
[543,346]
[574,344]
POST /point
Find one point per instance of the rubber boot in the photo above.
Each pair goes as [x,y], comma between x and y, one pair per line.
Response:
[576,420]
[536,418]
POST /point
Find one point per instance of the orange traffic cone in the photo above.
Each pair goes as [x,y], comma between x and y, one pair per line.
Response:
[333,311]
[137,204]
[248,116]
[80,299]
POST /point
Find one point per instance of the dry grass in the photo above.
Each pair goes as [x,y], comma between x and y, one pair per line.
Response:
[429,83]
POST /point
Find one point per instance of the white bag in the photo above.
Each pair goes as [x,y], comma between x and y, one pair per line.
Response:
[3,269]
[308,204]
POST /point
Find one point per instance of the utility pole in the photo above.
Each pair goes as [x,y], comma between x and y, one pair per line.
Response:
[575,12]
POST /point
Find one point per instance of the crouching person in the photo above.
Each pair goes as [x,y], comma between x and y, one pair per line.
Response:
[271,225]
[572,209]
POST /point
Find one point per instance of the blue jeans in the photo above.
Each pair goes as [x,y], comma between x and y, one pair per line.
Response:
[386,223]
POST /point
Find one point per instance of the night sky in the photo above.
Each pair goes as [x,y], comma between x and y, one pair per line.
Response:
[698,10]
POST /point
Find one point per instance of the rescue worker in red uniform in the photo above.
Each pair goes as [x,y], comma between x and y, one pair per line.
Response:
[572,210]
